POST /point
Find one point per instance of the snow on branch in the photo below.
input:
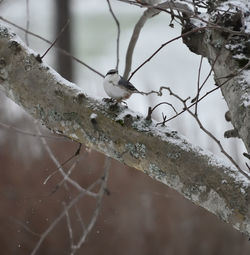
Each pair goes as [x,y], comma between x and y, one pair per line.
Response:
[227,50]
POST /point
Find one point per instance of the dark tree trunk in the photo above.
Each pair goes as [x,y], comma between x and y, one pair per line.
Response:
[63,63]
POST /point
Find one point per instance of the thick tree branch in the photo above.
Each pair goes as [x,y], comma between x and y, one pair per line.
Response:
[231,53]
[122,134]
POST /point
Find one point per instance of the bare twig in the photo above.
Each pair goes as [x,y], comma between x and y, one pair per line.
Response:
[137,29]
[27,21]
[164,44]
[208,133]
[248,167]
[98,206]
[196,98]
[79,216]
[118,34]
[150,110]
[218,143]
[164,103]
[198,85]
[17,130]
[66,53]
[230,77]
[61,171]
[62,214]
[246,155]
[25,227]
[58,36]
[69,226]
[158,93]
[66,175]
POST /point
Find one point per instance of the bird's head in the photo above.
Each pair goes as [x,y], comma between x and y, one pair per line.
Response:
[112,72]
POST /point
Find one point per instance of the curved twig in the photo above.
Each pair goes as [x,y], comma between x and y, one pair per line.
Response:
[27,21]
[118,34]
[134,38]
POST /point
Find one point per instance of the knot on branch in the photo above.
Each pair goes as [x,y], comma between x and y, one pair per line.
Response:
[231,133]
[229,19]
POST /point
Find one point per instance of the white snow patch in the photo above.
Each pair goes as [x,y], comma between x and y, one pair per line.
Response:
[246,99]
[201,20]
[189,5]
[215,203]
[173,181]
[246,95]
[93,115]
[239,56]
[224,182]
[195,196]
[126,112]
[242,191]
[235,5]
[74,136]
[56,76]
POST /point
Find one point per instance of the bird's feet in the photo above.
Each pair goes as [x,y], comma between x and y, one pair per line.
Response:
[113,103]
[108,100]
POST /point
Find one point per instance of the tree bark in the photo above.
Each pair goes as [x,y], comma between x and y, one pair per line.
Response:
[122,134]
[228,53]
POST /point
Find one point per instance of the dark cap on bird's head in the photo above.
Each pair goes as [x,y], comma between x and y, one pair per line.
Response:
[112,71]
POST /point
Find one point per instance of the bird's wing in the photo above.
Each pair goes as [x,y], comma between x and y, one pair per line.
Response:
[123,82]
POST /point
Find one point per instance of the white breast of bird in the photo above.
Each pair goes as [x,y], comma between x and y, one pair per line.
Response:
[112,89]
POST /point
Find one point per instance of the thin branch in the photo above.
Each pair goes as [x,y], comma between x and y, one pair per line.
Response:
[66,175]
[20,131]
[79,217]
[25,227]
[150,110]
[248,167]
[58,36]
[66,53]
[27,22]
[71,239]
[208,133]
[218,143]
[61,171]
[134,38]
[196,98]
[98,206]
[118,34]
[166,43]
[209,92]
[198,85]
[62,214]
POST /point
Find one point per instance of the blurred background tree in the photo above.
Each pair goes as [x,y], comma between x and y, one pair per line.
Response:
[63,15]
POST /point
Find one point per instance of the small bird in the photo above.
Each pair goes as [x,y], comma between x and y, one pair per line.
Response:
[117,87]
